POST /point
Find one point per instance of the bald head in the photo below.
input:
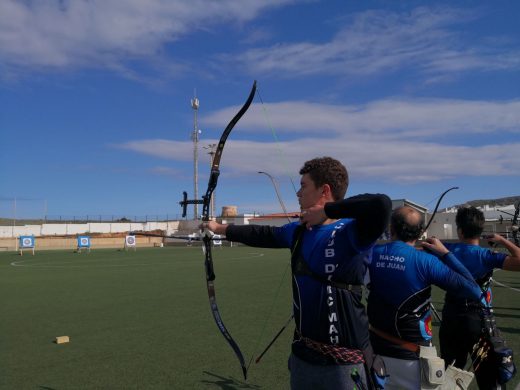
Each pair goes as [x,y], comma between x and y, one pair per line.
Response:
[406,224]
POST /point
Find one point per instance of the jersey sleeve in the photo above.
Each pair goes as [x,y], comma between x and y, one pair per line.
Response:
[262,236]
[441,275]
[494,259]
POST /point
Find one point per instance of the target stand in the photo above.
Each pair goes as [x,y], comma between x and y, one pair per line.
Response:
[25,242]
[83,243]
[130,242]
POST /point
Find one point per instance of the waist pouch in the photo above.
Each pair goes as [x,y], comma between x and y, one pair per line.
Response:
[457,379]
[432,368]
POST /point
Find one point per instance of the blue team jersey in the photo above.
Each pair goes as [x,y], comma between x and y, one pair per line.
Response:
[400,294]
[479,261]
[324,313]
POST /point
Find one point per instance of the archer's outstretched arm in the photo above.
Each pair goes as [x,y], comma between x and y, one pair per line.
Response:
[253,235]
[512,261]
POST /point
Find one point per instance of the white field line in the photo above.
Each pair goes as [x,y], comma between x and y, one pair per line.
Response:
[505,285]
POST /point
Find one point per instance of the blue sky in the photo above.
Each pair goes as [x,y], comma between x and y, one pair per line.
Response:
[413,97]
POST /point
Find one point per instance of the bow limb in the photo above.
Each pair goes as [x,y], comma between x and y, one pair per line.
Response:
[208,262]
[514,223]
[437,207]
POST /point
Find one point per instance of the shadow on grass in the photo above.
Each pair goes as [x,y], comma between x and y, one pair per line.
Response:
[505,315]
[46,388]
[228,383]
[504,308]
[509,330]
[506,285]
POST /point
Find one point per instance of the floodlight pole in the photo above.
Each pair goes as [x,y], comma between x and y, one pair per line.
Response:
[14,213]
[195,138]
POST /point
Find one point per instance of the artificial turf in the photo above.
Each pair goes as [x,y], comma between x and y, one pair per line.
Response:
[141,320]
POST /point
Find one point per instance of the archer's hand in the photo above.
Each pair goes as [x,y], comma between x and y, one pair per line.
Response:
[495,238]
[213,227]
[314,215]
[435,245]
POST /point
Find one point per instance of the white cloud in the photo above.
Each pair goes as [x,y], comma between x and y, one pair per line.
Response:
[71,33]
[386,140]
[162,148]
[382,41]
[165,171]
[389,118]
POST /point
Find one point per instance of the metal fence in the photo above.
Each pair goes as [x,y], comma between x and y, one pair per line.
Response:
[89,218]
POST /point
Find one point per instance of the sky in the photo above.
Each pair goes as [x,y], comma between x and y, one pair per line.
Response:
[413,97]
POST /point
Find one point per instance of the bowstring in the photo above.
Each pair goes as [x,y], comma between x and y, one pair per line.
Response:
[275,136]
[284,275]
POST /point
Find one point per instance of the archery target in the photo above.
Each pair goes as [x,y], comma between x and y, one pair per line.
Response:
[84,241]
[26,242]
[130,240]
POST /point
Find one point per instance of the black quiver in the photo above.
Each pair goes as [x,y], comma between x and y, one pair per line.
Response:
[493,348]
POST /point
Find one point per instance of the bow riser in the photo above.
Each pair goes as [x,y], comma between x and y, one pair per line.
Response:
[208,262]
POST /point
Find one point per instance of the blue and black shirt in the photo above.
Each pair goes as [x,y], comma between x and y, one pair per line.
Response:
[400,294]
[480,262]
[339,251]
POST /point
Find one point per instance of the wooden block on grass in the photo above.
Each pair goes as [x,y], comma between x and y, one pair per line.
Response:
[62,339]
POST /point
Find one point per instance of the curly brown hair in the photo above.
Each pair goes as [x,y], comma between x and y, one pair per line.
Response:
[327,170]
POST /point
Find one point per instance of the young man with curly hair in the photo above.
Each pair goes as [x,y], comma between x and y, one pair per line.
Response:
[329,251]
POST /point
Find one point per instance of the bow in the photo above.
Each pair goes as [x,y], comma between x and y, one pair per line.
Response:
[437,207]
[514,223]
[426,228]
[206,200]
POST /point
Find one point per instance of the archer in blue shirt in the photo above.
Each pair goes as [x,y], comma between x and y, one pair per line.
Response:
[400,294]
[461,326]
[330,250]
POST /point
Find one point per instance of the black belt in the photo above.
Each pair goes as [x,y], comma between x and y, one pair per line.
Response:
[465,303]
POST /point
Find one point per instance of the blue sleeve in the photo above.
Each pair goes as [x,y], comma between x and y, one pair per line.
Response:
[285,234]
[452,262]
[494,259]
[262,236]
[439,274]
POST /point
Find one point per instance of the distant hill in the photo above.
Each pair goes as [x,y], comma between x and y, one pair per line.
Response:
[492,202]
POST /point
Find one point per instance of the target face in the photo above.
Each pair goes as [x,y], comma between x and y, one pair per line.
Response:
[84,241]
[27,241]
[130,240]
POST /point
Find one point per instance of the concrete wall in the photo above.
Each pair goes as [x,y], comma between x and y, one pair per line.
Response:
[44,243]
[47,234]
[54,229]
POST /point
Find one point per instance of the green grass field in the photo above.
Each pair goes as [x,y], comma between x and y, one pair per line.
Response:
[141,320]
